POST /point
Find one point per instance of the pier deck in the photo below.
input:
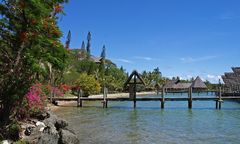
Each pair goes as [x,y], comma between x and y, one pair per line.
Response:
[105,101]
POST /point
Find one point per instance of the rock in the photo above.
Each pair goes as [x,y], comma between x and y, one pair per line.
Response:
[52,119]
[48,138]
[51,131]
[67,137]
[55,103]
[40,124]
[34,136]
[28,131]
[41,129]
[5,142]
[50,135]
[60,124]
[43,116]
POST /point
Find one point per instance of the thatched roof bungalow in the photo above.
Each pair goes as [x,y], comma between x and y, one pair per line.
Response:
[198,84]
[232,78]
[175,85]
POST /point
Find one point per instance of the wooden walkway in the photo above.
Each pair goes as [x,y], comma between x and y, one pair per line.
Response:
[105,101]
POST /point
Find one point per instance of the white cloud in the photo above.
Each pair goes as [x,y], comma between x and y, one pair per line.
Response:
[123,60]
[145,58]
[213,78]
[191,59]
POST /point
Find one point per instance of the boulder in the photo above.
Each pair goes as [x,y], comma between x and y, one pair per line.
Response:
[48,138]
[67,137]
[60,124]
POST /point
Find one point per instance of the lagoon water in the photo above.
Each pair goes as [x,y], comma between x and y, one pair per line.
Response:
[149,124]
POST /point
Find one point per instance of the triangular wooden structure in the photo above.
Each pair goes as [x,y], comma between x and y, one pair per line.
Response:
[137,79]
[134,74]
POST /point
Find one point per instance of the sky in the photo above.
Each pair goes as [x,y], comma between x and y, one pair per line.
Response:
[185,38]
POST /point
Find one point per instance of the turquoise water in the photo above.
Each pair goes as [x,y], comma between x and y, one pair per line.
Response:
[148,124]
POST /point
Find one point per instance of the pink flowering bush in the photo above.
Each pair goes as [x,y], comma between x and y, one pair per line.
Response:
[36,100]
[57,91]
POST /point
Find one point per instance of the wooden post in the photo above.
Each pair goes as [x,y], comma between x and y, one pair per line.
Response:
[216,104]
[134,92]
[163,99]
[106,105]
[220,98]
[79,101]
[190,98]
[105,97]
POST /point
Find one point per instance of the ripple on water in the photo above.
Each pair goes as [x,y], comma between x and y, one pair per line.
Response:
[120,123]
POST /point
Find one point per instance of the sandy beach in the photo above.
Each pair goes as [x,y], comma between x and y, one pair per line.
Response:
[122,95]
[53,108]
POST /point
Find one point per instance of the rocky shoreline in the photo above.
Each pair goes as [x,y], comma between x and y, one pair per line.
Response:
[49,130]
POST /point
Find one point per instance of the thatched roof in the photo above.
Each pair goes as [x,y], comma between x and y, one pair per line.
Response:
[170,84]
[182,85]
[236,70]
[225,80]
[230,75]
[130,79]
[176,84]
[232,78]
[198,84]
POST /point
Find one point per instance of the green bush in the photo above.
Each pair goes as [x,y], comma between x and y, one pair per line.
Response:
[88,84]
[14,130]
[20,142]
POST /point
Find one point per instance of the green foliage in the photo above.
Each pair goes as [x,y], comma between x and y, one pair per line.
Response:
[88,84]
[70,77]
[29,39]
[86,66]
[211,86]
[152,78]
[13,131]
[20,142]
[115,78]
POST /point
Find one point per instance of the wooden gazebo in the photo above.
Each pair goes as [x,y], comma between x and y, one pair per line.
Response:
[132,81]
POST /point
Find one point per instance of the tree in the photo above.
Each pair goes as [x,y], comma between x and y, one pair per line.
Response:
[88,84]
[67,45]
[115,78]
[102,66]
[83,46]
[86,66]
[88,45]
[29,37]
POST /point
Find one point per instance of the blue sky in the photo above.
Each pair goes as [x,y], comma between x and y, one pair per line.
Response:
[182,37]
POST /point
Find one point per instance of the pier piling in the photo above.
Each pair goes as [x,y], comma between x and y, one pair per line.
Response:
[190,98]
[163,100]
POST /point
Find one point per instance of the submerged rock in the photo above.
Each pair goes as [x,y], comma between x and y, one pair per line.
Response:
[67,137]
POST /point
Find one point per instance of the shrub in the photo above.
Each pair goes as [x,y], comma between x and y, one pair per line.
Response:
[88,84]
[36,99]
[64,88]
[14,130]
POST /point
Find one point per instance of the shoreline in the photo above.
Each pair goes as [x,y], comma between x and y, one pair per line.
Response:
[61,104]
[122,95]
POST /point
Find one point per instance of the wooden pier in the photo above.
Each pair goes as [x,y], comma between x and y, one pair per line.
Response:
[162,100]
[135,79]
